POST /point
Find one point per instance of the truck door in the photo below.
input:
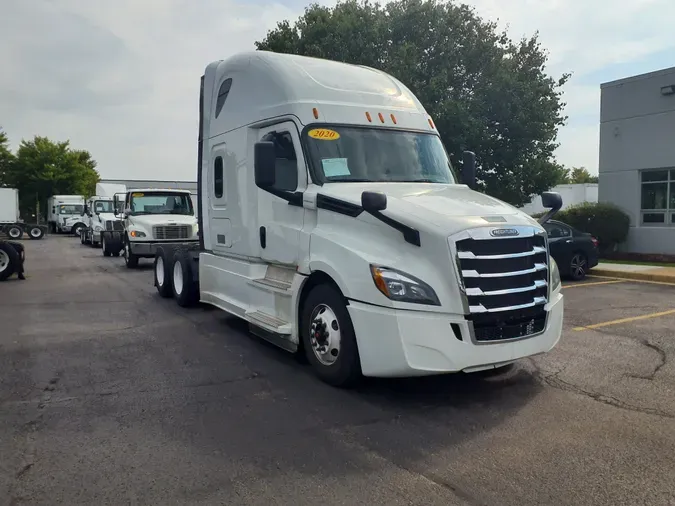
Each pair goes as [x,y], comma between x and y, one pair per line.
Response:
[280,223]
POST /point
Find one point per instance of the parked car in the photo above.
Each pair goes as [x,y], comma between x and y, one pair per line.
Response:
[574,251]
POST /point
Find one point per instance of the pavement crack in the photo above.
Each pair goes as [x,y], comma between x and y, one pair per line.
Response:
[663,359]
[554,381]
[23,470]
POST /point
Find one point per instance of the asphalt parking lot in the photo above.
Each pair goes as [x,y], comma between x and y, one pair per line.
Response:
[111,395]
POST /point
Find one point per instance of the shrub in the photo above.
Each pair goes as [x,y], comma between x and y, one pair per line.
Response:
[608,223]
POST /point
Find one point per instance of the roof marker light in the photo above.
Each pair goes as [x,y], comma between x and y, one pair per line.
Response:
[431,124]
[368,116]
[316,113]
[393,118]
[381,117]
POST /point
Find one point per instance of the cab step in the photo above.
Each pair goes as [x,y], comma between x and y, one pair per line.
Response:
[268,322]
[277,279]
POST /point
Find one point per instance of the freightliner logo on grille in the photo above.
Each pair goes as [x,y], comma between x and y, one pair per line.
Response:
[504,232]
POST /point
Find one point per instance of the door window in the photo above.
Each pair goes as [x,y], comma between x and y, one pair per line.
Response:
[286,166]
[556,230]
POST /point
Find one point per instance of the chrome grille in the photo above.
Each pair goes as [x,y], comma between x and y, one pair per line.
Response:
[505,278]
[171,232]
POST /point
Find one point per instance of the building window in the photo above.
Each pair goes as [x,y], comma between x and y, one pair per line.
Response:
[218,177]
[223,92]
[657,197]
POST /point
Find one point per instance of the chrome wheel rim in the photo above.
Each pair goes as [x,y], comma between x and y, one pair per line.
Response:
[578,266]
[35,232]
[4,261]
[14,233]
[324,335]
[159,271]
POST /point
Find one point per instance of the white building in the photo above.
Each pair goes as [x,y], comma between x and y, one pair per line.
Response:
[572,194]
[637,157]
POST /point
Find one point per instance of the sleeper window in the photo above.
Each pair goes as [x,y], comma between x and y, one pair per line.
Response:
[223,92]
[286,166]
[218,177]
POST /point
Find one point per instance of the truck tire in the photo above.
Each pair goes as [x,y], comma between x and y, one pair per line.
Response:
[328,337]
[82,238]
[9,260]
[15,232]
[115,243]
[105,245]
[184,287]
[163,274]
[130,259]
[76,229]
[36,233]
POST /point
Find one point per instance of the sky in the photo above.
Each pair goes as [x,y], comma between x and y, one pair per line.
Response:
[120,78]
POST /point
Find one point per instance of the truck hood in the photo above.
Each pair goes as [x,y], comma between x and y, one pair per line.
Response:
[435,204]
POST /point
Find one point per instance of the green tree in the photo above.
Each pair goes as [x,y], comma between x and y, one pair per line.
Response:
[6,157]
[43,168]
[486,92]
[580,175]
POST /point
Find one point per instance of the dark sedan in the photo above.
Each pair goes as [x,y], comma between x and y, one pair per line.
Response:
[574,251]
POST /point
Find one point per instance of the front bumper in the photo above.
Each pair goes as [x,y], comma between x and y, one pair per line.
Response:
[400,343]
[148,249]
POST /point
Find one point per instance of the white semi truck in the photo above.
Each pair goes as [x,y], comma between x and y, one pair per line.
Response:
[63,212]
[11,223]
[154,217]
[101,224]
[333,222]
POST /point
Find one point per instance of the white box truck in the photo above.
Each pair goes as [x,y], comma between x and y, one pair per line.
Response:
[153,217]
[63,212]
[333,222]
[10,222]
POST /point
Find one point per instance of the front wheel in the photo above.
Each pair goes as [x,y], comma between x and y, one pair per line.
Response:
[328,337]
[578,266]
[130,259]
[77,228]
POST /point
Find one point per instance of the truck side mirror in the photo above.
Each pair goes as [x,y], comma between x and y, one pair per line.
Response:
[264,162]
[552,201]
[469,169]
[373,202]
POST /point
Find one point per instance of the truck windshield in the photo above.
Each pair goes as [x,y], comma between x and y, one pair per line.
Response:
[71,209]
[350,154]
[103,206]
[161,203]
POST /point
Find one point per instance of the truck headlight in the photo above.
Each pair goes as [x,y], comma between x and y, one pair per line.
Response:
[137,233]
[402,287]
[555,276]
[98,228]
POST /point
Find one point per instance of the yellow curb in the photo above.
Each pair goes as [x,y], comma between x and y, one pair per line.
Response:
[639,276]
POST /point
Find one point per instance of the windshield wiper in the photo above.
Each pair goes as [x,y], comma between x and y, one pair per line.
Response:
[421,180]
[349,180]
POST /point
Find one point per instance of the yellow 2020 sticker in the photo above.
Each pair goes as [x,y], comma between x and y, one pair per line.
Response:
[324,134]
[137,194]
